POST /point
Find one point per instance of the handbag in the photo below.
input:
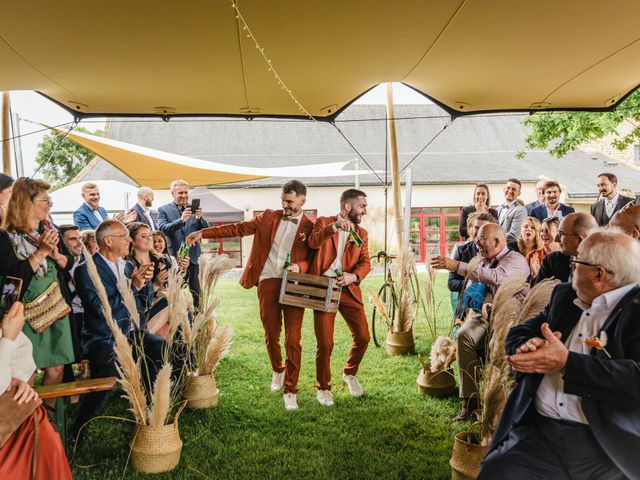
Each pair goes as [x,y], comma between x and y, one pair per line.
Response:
[48,307]
[13,415]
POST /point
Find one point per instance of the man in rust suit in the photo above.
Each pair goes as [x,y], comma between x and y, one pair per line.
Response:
[338,255]
[277,234]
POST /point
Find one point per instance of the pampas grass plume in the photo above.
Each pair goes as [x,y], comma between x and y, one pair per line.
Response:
[161,401]
[217,349]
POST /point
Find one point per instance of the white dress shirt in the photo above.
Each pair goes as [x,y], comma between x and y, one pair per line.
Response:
[96,213]
[343,236]
[610,205]
[556,213]
[281,246]
[147,213]
[551,401]
[118,270]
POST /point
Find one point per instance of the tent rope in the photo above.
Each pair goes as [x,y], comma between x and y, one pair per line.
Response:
[55,148]
[428,143]
[357,153]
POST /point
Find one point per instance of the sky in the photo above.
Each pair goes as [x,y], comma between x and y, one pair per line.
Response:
[34,109]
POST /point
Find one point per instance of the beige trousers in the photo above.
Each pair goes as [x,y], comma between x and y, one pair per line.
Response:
[472,334]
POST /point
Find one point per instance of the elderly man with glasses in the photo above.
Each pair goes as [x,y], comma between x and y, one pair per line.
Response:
[498,262]
[97,340]
[575,409]
[573,229]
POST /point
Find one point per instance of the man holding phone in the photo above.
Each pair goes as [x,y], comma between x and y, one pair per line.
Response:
[177,220]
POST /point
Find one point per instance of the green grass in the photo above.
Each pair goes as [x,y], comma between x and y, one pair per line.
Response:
[392,432]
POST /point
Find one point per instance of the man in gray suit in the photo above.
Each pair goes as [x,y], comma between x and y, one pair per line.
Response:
[610,200]
[512,214]
[176,221]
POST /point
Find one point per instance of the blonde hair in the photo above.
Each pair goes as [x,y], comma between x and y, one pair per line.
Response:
[177,183]
[522,248]
[89,186]
[19,213]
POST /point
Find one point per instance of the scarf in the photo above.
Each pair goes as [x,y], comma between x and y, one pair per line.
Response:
[25,245]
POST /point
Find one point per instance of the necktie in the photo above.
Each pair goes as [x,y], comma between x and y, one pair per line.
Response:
[290,219]
[608,206]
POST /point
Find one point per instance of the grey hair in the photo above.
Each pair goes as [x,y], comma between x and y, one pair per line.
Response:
[144,191]
[177,183]
[617,252]
[105,229]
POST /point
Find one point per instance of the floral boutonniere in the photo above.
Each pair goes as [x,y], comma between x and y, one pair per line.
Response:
[599,343]
[302,236]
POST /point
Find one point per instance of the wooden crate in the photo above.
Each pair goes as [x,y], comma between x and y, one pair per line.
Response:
[310,291]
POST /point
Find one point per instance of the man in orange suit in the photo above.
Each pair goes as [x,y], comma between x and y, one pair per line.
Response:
[277,234]
[339,255]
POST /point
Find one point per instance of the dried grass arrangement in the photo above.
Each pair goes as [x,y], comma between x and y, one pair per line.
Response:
[407,291]
[162,399]
[509,309]
[207,342]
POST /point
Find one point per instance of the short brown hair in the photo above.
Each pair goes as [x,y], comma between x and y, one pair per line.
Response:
[295,186]
[350,194]
[612,178]
[19,213]
[551,184]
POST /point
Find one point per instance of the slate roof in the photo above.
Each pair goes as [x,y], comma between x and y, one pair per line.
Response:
[472,149]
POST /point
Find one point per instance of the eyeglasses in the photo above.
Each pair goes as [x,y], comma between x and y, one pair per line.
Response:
[574,261]
[49,200]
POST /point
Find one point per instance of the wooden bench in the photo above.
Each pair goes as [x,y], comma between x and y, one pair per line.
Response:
[63,391]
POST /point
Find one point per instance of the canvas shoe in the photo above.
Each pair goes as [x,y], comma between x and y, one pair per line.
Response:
[277,381]
[355,389]
[290,401]
[325,398]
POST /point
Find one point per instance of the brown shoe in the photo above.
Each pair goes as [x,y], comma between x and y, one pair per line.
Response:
[468,411]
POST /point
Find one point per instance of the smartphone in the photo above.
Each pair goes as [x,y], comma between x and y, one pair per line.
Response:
[9,293]
[195,205]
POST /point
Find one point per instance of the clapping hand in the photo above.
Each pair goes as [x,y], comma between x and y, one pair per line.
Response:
[142,275]
[48,241]
[539,355]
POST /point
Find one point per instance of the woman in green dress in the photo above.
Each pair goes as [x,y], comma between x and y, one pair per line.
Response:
[29,250]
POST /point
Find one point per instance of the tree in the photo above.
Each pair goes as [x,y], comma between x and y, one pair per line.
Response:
[68,158]
[562,132]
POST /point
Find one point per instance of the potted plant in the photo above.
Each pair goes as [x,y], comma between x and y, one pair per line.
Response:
[508,309]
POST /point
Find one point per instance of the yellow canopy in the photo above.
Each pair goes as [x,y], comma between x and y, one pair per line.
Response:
[157,169]
[195,58]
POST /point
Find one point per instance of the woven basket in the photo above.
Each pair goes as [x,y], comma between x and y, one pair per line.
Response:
[156,449]
[436,384]
[466,456]
[201,392]
[400,343]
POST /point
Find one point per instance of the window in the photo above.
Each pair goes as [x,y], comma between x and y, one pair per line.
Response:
[218,246]
[433,231]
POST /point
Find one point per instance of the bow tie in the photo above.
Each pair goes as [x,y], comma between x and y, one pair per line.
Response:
[290,219]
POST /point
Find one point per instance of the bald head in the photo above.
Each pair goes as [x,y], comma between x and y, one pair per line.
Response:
[628,220]
[573,229]
[491,240]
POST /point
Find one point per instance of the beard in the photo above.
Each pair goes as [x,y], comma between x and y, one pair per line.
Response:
[354,217]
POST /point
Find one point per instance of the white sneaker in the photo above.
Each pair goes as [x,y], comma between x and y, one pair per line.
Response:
[355,389]
[325,398]
[290,401]
[277,381]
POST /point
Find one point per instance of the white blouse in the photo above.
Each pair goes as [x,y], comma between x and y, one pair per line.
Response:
[16,360]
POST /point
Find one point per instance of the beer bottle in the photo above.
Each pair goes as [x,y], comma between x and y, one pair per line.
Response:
[338,273]
[287,261]
[355,238]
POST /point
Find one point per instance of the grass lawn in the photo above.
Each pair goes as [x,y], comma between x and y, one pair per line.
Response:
[392,432]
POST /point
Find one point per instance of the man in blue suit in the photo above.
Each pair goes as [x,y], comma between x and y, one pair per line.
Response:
[552,206]
[176,221]
[90,213]
[575,410]
[97,340]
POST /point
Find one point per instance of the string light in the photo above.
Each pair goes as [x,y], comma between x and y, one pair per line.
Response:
[271,68]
